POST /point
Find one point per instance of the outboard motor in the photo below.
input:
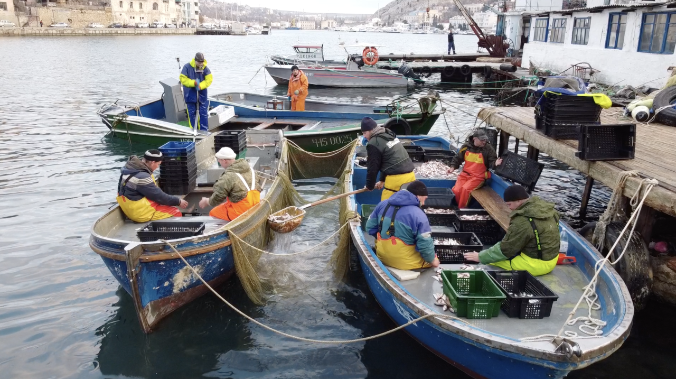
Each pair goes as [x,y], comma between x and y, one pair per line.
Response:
[357,58]
[174,104]
[407,71]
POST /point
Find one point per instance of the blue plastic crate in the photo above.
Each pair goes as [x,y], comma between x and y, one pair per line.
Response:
[176,149]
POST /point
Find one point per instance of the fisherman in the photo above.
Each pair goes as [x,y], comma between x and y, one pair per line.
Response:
[196,77]
[478,156]
[532,240]
[451,42]
[297,89]
[235,191]
[139,196]
[402,230]
[386,155]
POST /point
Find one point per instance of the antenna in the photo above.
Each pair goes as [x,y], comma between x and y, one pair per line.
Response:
[179,62]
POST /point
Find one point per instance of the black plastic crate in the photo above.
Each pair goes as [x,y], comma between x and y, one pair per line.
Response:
[416,153]
[176,165]
[231,135]
[517,285]
[435,154]
[561,130]
[178,188]
[483,226]
[190,158]
[169,230]
[178,175]
[606,142]
[447,253]
[236,148]
[520,169]
[441,219]
[491,238]
[439,197]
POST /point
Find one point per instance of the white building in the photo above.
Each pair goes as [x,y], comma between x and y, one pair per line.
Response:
[456,21]
[628,44]
[541,5]
[7,12]
[149,11]
[328,24]
[410,18]
[307,25]
[473,8]
[487,21]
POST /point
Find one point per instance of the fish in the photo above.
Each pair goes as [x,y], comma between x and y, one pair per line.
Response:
[438,211]
[434,169]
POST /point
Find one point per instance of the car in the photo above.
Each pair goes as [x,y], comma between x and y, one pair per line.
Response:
[141,24]
[59,25]
[6,24]
[116,25]
[128,25]
[170,26]
[95,25]
[157,25]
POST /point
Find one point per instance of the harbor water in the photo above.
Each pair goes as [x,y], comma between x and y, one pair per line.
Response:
[63,315]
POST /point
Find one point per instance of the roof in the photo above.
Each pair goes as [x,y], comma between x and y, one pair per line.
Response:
[668,4]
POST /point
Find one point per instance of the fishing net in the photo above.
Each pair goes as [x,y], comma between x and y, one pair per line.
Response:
[278,272]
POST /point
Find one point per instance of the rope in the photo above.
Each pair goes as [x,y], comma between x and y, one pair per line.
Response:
[296,337]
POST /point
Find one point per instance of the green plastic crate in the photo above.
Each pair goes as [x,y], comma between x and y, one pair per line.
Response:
[366,210]
[241,154]
[473,294]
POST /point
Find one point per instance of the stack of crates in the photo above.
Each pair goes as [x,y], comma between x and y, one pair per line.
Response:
[559,116]
[234,139]
[178,172]
[483,225]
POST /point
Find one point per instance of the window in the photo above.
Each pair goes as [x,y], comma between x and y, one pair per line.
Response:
[558,30]
[581,31]
[617,23]
[540,33]
[658,33]
[197,12]
[140,5]
[155,6]
[121,4]
[3,6]
[131,5]
[166,7]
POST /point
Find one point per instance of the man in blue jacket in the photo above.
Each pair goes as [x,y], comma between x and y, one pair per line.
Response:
[196,78]
[402,230]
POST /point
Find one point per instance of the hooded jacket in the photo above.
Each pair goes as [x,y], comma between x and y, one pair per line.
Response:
[230,186]
[520,237]
[385,155]
[188,76]
[487,151]
[410,224]
[141,184]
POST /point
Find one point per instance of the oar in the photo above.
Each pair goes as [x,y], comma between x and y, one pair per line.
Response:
[291,217]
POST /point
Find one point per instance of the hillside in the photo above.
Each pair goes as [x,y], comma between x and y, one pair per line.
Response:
[396,10]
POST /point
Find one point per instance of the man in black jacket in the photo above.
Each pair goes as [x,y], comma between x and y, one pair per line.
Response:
[388,156]
[451,42]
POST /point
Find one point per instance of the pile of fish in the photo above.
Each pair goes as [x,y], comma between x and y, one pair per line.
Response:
[446,241]
[439,211]
[475,217]
[442,301]
[281,218]
[434,169]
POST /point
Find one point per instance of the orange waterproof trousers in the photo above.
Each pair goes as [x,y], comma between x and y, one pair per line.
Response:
[464,186]
[228,211]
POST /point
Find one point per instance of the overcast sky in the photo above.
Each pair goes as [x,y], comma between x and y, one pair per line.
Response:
[323,6]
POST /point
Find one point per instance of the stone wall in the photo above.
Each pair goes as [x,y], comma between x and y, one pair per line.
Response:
[76,18]
[33,31]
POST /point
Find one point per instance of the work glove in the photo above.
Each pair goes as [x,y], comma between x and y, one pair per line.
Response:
[295,92]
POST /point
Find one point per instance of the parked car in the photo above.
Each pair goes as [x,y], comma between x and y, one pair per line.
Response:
[141,24]
[95,25]
[59,25]
[129,26]
[116,25]
[6,24]
[170,26]
[157,25]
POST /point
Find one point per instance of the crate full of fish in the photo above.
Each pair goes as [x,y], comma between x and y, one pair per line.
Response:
[169,230]
[440,216]
[450,247]
[472,294]
[527,297]
[475,221]
[436,154]
[434,170]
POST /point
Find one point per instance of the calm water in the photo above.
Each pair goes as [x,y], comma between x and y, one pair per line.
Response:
[62,315]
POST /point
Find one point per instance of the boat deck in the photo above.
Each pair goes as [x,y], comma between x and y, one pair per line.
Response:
[566,281]
[653,158]
[126,231]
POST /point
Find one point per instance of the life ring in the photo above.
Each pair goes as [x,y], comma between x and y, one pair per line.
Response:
[426,72]
[370,55]
[398,125]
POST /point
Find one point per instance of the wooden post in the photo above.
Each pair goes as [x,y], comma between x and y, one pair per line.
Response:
[504,142]
[533,153]
[516,146]
[585,196]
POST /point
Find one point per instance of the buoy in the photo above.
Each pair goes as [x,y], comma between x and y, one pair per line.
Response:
[641,113]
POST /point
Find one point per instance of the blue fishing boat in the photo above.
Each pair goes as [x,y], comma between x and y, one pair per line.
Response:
[499,347]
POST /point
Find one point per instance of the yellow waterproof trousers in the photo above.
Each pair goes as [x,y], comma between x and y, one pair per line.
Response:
[522,262]
[393,184]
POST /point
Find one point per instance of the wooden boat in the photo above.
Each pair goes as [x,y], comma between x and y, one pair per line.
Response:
[162,120]
[498,347]
[155,277]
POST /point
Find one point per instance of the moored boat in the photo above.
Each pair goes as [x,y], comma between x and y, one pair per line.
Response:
[499,347]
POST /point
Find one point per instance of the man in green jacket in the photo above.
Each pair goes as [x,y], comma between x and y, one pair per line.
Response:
[532,240]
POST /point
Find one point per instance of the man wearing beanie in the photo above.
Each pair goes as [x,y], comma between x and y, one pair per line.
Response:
[236,191]
[139,196]
[385,155]
[196,78]
[478,156]
[532,240]
[402,230]
[297,89]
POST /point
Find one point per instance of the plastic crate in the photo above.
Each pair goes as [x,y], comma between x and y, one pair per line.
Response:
[236,147]
[520,169]
[606,142]
[177,149]
[416,153]
[491,238]
[454,253]
[178,188]
[479,227]
[514,284]
[190,158]
[366,210]
[169,230]
[439,197]
[178,175]
[440,219]
[472,294]
[434,154]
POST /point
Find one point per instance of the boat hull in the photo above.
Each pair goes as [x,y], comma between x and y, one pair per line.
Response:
[340,78]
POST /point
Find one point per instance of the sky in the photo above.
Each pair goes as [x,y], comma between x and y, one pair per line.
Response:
[318,6]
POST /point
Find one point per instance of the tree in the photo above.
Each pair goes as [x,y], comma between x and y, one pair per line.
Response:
[405,22]
[441,27]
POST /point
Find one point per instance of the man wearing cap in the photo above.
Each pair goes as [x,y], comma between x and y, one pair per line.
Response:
[235,191]
[297,89]
[478,156]
[139,196]
[196,78]
[386,155]
[532,240]
[402,230]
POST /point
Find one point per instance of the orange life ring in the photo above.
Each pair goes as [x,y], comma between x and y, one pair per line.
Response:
[370,55]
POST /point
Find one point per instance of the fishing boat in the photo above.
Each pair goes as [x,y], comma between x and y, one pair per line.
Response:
[323,126]
[499,347]
[306,53]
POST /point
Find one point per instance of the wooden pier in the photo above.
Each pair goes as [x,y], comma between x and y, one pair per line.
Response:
[475,67]
[655,155]
[434,57]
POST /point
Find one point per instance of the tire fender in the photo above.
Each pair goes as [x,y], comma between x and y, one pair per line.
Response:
[398,125]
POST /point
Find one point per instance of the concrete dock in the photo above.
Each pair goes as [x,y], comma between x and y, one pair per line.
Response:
[47,32]
[474,67]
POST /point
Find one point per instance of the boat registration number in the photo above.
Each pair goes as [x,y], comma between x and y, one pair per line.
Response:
[336,140]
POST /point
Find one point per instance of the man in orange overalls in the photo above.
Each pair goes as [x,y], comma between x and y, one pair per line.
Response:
[478,156]
[235,191]
[297,89]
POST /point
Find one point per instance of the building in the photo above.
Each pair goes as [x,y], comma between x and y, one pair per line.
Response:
[540,5]
[7,11]
[627,44]
[487,21]
[457,21]
[307,25]
[328,24]
[474,8]
[149,11]
[410,18]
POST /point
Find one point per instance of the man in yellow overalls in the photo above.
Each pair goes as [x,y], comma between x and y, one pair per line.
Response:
[386,155]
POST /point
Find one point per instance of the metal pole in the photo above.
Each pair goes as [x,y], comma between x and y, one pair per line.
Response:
[585,196]
[516,146]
